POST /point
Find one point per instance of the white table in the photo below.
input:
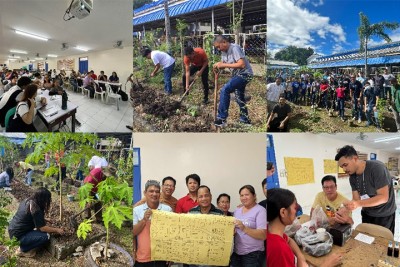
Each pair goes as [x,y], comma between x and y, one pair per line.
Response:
[60,116]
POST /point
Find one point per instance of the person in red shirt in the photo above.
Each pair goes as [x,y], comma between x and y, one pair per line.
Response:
[282,251]
[190,200]
[324,87]
[96,176]
[94,76]
[196,61]
[340,94]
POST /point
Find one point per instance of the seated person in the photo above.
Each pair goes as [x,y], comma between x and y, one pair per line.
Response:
[299,210]
[37,79]
[73,80]
[279,119]
[6,177]
[282,251]
[88,83]
[22,121]
[29,225]
[114,79]
[47,83]
[56,89]
[11,82]
[102,77]
[330,200]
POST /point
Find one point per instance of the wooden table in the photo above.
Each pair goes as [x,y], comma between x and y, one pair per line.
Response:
[358,254]
[62,115]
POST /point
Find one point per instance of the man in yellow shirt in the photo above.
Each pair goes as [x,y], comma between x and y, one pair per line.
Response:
[331,202]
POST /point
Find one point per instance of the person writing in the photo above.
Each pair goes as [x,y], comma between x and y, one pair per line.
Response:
[22,121]
[28,225]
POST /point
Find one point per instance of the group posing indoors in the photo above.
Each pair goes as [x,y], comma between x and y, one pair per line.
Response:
[250,218]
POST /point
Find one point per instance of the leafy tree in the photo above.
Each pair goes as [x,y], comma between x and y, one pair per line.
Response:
[140,3]
[8,245]
[367,30]
[75,147]
[115,197]
[295,54]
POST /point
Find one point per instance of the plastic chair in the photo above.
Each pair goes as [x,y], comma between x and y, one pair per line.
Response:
[111,94]
[375,230]
[101,92]
[9,114]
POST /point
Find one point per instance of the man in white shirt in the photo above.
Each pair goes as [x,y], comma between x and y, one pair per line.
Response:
[161,59]
[273,92]
[387,87]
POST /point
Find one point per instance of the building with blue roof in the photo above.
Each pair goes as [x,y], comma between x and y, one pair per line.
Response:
[386,55]
[202,15]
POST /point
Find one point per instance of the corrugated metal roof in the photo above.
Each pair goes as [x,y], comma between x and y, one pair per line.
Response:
[358,62]
[178,9]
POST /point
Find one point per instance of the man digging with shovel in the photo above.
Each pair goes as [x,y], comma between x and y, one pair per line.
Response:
[196,61]
[234,59]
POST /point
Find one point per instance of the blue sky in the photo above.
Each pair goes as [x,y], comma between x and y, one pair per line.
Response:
[327,26]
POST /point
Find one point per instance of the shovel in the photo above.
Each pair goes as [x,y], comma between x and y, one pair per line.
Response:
[216,74]
[187,91]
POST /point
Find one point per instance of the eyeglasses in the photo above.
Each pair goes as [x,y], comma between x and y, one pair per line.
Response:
[168,185]
[224,202]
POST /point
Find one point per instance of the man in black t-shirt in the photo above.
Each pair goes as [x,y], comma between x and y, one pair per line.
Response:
[279,118]
[371,186]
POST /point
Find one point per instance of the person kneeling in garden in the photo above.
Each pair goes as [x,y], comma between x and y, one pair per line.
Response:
[28,225]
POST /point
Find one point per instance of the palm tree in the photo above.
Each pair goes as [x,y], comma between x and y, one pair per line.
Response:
[167,26]
[367,30]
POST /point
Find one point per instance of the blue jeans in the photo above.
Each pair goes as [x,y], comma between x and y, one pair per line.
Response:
[167,78]
[313,98]
[341,107]
[370,112]
[33,239]
[357,108]
[253,259]
[79,175]
[28,177]
[325,100]
[236,84]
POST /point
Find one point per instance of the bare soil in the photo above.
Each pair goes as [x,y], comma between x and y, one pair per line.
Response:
[156,112]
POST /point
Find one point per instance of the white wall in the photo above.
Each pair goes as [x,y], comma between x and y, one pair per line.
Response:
[224,162]
[318,147]
[118,60]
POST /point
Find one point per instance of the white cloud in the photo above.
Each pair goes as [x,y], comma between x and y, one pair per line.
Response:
[290,24]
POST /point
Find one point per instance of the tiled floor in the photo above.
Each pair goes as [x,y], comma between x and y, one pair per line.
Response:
[96,116]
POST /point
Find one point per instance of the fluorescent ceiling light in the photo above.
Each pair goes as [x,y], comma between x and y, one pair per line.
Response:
[18,51]
[397,148]
[386,139]
[14,57]
[51,55]
[31,35]
[81,48]
[39,58]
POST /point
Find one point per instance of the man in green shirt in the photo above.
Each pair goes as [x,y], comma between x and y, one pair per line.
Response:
[396,102]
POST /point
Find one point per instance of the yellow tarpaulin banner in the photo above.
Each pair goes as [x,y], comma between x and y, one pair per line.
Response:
[191,238]
[330,166]
[299,170]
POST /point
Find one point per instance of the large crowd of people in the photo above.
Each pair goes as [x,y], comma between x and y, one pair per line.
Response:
[250,218]
[350,94]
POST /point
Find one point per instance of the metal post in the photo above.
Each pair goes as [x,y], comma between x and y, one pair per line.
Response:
[212,21]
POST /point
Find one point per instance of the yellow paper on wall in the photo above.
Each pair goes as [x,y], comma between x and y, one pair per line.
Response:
[191,238]
[299,170]
[330,166]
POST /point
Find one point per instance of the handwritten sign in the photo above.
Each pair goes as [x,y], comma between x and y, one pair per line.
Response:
[299,170]
[330,166]
[191,238]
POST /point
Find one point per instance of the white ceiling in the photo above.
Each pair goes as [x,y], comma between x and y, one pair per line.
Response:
[368,140]
[108,22]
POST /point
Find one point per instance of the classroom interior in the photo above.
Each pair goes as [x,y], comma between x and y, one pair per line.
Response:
[315,154]
[101,41]
[224,162]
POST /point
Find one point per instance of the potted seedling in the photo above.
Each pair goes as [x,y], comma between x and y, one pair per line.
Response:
[112,195]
